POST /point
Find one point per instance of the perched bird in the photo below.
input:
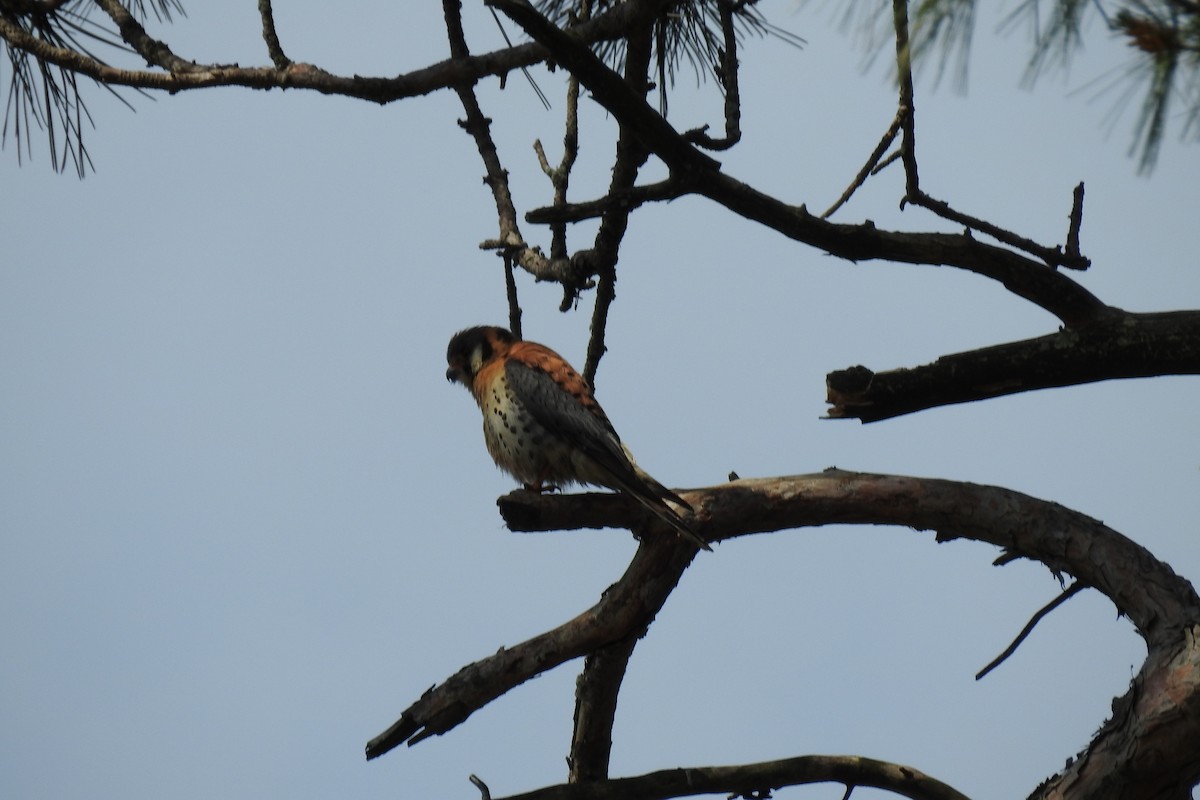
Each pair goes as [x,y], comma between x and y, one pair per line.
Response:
[543,426]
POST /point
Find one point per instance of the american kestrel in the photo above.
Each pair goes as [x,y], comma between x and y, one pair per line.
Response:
[543,426]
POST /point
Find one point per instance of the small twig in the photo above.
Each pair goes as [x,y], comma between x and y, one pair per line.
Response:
[536,89]
[271,37]
[510,286]
[1073,251]
[886,162]
[1075,589]
[907,111]
[479,127]
[605,293]
[728,76]
[483,787]
[560,176]
[627,200]
[145,45]
[1053,256]
[870,167]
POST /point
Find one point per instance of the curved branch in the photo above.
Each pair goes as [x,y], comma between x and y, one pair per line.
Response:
[756,780]
[1147,591]
[1124,346]
[1145,750]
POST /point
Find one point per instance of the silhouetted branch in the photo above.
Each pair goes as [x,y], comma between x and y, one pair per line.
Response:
[630,156]
[1076,222]
[1053,256]
[1063,597]
[1027,278]
[756,780]
[868,168]
[629,199]
[479,126]
[187,75]
[1123,345]
[728,75]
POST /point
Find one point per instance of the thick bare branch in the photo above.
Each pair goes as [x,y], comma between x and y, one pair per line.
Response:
[1148,592]
[596,709]
[1120,346]
[1146,750]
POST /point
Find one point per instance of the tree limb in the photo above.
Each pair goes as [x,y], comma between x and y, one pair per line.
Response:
[628,605]
[1021,275]
[1147,743]
[596,693]
[1123,346]
[756,780]
[191,75]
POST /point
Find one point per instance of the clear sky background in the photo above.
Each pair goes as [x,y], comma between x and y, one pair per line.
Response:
[245,521]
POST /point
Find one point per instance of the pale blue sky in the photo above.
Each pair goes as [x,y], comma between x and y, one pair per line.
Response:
[245,521]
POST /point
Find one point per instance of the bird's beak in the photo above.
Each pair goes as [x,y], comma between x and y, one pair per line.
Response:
[452,374]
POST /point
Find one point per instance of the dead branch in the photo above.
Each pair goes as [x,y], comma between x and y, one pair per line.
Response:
[1163,720]
[271,36]
[728,75]
[186,74]
[1122,346]
[479,126]
[1021,275]
[631,155]
[596,693]
[1052,256]
[1063,597]
[756,780]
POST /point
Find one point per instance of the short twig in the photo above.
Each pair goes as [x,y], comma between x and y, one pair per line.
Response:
[729,83]
[536,89]
[483,787]
[1073,251]
[665,190]
[274,49]
[514,307]
[906,113]
[1075,589]
[868,168]
[1053,256]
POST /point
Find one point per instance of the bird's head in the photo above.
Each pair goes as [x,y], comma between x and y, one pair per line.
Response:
[470,349]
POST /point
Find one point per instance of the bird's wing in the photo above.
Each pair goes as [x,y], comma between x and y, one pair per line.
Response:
[564,415]
[561,413]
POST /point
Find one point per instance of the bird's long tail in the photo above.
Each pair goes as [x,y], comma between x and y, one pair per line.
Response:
[653,495]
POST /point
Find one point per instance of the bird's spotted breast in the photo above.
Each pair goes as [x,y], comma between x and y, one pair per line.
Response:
[517,442]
